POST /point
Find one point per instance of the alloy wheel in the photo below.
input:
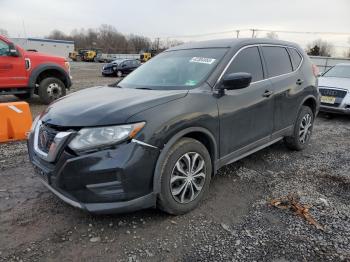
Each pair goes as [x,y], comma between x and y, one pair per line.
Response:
[188,177]
[305,128]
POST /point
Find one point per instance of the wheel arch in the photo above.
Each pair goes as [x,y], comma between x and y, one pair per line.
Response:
[48,70]
[200,134]
[311,102]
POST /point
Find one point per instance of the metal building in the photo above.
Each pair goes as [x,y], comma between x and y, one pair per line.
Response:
[48,46]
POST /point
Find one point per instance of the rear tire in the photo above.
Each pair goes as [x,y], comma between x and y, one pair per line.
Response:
[50,89]
[185,177]
[302,130]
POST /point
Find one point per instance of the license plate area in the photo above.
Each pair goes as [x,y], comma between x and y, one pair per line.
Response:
[328,99]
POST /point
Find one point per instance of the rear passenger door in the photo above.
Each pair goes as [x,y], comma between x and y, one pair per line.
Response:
[286,84]
[246,115]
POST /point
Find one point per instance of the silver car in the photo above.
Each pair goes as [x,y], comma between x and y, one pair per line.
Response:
[334,86]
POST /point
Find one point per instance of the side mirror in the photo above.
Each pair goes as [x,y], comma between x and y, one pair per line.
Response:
[236,81]
[12,50]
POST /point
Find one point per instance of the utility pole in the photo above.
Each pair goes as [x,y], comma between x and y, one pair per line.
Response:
[253,32]
[237,33]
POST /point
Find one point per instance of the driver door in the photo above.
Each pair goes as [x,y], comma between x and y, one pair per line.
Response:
[12,68]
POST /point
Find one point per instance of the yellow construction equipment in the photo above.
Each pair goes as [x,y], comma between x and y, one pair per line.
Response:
[15,121]
[144,57]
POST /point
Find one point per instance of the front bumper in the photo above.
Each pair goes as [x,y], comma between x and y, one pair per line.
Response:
[336,110]
[108,71]
[341,104]
[114,180]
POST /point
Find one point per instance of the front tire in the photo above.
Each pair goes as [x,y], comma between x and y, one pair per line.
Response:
[302,130]
[50,89]
[119,73]
[185,177]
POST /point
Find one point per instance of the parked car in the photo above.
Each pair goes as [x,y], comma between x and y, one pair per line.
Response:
[120,67]
[334,86]
[158,137]
[24,73]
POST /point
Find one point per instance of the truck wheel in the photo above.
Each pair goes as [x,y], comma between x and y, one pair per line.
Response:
[24,96]
[50,89]
[185,177]
[302,130]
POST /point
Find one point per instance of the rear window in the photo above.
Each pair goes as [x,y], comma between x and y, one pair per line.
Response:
[295,57]
[277,60]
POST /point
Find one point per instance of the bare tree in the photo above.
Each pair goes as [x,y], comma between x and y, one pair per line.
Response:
[107,38]
[3,32]
[170,43]
[57,34]
[139,43]
[272,35]
[320,47]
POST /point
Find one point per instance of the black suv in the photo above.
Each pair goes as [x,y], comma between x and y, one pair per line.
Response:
[120,67]
[159,136]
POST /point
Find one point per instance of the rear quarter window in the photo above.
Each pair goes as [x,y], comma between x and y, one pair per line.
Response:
[295,57]
[277,60]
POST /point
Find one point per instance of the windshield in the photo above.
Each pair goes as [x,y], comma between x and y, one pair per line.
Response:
[338,71]
[182,69]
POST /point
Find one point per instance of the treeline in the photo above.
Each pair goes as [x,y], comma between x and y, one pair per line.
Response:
[107,38]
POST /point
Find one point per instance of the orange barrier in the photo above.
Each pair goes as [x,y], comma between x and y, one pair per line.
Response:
[15,121]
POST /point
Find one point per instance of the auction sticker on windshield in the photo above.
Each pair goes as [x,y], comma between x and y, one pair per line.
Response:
[202,60]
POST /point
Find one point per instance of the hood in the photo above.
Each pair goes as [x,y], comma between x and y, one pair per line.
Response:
[336,82]
[100,106]
[43,56]
[111,64]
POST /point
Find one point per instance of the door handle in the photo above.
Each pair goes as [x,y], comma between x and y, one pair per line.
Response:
[268,93]
[299,81]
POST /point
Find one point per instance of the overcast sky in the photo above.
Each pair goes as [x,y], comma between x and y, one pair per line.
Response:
[164,18]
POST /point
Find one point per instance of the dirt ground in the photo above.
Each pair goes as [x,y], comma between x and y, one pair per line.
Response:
[234,223]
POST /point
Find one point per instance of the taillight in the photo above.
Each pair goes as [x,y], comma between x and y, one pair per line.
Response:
[315,70]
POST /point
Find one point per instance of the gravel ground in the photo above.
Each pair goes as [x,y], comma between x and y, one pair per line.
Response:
[234,223]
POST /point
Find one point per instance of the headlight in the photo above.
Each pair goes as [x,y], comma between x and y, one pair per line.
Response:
[35,122]
[89,138]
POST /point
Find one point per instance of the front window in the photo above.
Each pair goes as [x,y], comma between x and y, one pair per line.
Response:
[182,69]
[4,48]
[338,71]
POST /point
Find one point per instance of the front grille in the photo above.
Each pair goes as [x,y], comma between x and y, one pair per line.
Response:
[338,94]
[332,92]
[45,137]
